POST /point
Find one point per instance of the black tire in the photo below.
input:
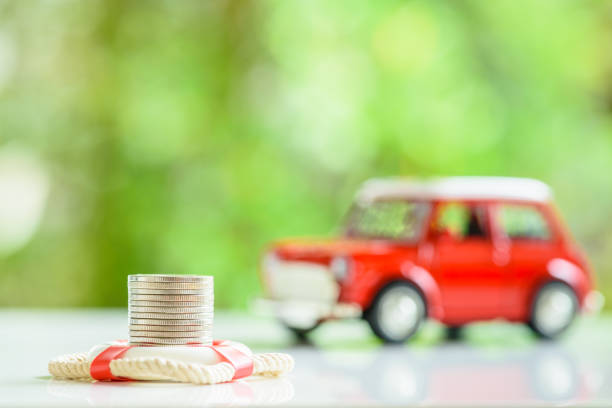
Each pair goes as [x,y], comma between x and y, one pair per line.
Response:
[454,333]
[383,326]
[300,333]
[537,323]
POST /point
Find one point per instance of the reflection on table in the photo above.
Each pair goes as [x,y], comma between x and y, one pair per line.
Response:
[451,373]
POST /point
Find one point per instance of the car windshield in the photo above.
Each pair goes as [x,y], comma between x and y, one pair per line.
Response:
[394,219]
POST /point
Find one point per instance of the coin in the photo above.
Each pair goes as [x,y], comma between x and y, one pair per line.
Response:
[168,285]
[207,328]
[172,298]
[158,309]
[171,334]
[181,316]
[170,341]
[170,322]
[139,291]
[169,278]
[135,333]
[148,327]
[151,303]
[170,327]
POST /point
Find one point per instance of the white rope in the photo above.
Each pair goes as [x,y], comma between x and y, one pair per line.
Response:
[76,367]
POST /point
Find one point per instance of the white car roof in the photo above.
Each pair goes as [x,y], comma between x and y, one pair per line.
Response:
[457,188]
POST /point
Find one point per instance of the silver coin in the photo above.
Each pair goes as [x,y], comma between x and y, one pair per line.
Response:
[150,303]
[171,334]
[138,291]
[181,316]
[170,322]
[134,333]
[171,310]
[187,331]
[172,298]
[158,309]
[169,285]
[148,327]
[205,323]
[169,278]
[169,341]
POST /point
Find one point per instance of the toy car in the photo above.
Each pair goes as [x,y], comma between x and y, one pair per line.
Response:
[457,250]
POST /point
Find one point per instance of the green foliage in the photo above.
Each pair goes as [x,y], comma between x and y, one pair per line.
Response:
[181,137]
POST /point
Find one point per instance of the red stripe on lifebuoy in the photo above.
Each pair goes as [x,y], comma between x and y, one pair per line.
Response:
[242,363]
[100,366]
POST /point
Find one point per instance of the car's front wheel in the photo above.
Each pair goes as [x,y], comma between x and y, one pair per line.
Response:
[553,310]
[397,312]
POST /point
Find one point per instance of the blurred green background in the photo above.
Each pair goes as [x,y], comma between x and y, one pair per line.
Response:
[182,136]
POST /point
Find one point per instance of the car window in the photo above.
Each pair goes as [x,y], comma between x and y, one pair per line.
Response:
[523,222]
[389,219]
[461,221]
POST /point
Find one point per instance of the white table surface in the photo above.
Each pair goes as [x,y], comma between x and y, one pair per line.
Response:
[496,364]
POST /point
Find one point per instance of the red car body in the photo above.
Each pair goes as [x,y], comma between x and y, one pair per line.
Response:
[462,280]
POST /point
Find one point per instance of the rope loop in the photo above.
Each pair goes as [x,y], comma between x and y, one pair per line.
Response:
[76,367]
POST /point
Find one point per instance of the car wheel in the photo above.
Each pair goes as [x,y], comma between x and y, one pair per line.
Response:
[397,312]
[301,333]
[454,333]
[553,310]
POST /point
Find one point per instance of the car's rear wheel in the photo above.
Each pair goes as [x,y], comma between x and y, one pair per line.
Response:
[454,333]
[301,333]
[397,312]
[553,310]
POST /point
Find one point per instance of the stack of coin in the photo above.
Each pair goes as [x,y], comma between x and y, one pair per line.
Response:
[170,309]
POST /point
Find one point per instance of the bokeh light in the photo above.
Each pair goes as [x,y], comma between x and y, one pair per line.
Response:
[181,137]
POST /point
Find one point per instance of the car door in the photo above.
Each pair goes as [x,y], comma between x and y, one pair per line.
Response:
[463,264]
[531,243]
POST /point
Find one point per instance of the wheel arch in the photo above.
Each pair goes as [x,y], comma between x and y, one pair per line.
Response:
[422,281]
[564,271]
